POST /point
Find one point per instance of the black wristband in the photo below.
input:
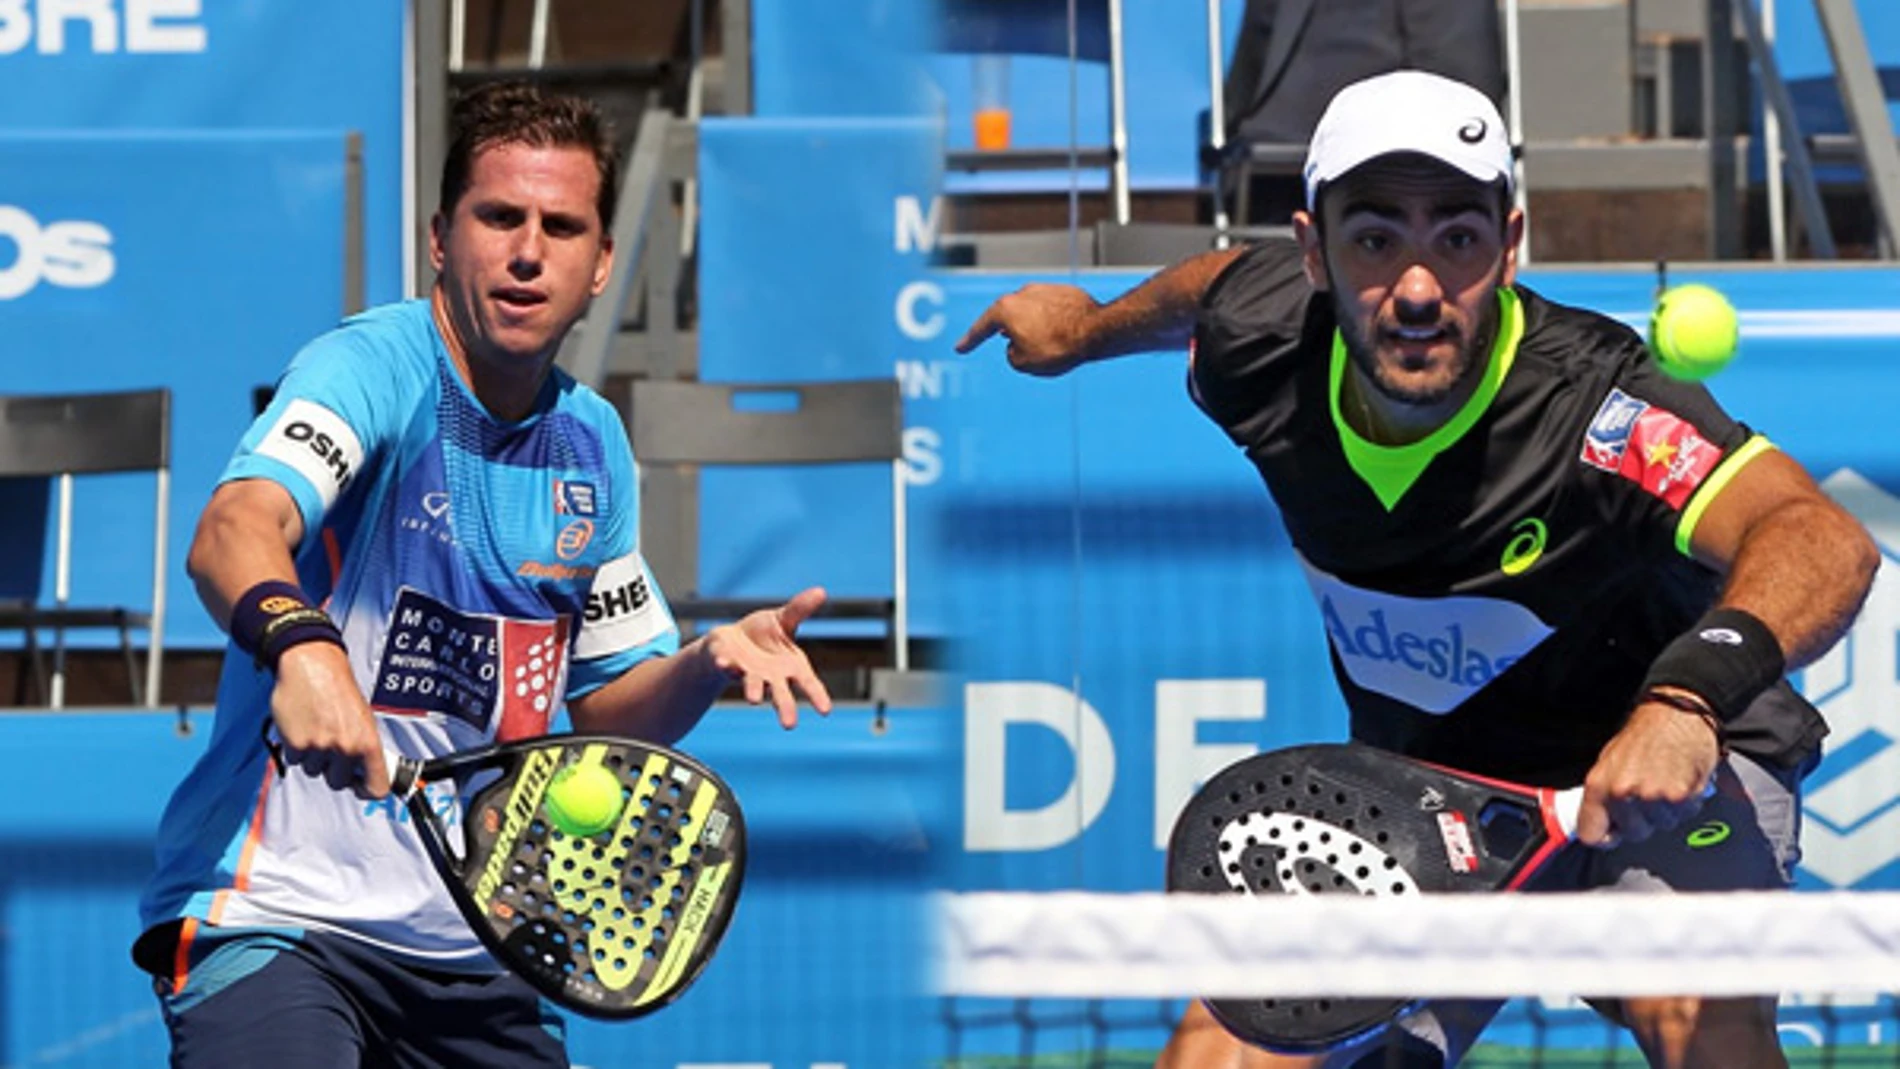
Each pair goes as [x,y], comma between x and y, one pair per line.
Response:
[273,616]
[1727,659]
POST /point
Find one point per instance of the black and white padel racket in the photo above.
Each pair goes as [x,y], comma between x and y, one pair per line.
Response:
[613,924]
[1350,819]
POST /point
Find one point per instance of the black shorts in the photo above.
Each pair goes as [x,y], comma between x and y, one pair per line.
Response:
[1746,838]
[290,999]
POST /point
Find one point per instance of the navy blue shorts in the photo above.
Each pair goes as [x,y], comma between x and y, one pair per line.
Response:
[288,999]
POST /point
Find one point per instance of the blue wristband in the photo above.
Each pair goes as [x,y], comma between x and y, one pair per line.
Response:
[273,616]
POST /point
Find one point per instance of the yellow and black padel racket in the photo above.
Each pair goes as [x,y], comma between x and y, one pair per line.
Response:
[611,917]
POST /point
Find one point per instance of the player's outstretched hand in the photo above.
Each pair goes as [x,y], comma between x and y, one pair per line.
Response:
[326,727]
[1047,326]
[760,650]
[1651,776]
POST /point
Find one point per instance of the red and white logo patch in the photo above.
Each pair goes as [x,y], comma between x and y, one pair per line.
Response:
[534,657]
[1667,456]
[1459,851]
[488,671]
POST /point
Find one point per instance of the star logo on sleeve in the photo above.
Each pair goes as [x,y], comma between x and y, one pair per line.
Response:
[1668,456]
[1659,453]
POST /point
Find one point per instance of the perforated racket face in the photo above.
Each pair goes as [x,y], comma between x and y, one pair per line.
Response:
[1338,820]
[615,924]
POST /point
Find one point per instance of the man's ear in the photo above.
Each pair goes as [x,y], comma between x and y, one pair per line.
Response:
[1312,249]
[603,265]
[1513,238]
[437,224]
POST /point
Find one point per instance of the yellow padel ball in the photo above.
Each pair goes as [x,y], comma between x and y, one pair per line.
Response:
[1694,332]
[583,800]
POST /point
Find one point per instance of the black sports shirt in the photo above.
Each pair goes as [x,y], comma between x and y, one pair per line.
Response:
[1494,594]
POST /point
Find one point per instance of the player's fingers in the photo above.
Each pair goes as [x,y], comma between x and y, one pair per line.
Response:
[799,609]
[1665,815]
[341,772]
[815,690]
[1632,823]
[374,782]
[1593,822]
[982,330]
[783,702]
[754,688]
[311,762]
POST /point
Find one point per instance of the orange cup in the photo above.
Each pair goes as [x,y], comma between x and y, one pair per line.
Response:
[992,129]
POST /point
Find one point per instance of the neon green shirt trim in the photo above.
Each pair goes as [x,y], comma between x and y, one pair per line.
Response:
[1709,490]
[1390,470]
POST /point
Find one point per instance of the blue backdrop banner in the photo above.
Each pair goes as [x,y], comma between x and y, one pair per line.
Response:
[199,261]
[164,65]
[812,255]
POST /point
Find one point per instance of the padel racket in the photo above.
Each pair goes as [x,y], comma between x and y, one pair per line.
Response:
[1350,819]
[616,924]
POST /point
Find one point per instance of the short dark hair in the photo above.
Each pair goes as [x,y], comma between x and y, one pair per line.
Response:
[503,113]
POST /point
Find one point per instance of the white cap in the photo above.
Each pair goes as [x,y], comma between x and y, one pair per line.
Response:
[1408,111]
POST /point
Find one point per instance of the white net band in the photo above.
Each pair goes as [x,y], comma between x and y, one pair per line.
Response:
[1086,945]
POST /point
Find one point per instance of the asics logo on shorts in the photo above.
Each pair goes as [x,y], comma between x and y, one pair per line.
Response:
[1712,833]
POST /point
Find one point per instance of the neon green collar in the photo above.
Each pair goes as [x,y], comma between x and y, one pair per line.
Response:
[1390,470]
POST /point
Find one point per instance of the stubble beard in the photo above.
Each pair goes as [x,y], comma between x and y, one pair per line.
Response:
[1364,356]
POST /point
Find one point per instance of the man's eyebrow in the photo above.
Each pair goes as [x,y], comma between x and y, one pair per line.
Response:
[1385,210]
[1381,209]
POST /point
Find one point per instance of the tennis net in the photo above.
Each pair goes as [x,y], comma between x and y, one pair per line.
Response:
[1081,979]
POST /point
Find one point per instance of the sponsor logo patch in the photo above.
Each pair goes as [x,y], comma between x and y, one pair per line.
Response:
[1667,456]
[1707,834]
[1525,547]
[317,444]
[574,497]
[622,610]
[1650,446]
[1609,433]
[434,520]
[535,569]
[1430,653]
[573,539]
[478,668]
[1459,851]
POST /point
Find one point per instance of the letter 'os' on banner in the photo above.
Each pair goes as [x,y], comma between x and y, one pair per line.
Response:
[199,261]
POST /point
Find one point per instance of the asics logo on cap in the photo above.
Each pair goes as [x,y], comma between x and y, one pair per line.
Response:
[1472,132]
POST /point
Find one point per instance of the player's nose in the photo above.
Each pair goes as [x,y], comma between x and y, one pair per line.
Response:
[1418,293]
[530,249]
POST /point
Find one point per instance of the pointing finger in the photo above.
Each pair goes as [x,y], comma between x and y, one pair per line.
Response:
[982,330]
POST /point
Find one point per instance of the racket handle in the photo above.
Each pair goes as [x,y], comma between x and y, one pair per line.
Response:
[405,773]
[1564,806]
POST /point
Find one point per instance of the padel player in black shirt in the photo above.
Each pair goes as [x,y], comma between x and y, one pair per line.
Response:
[1534,555]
